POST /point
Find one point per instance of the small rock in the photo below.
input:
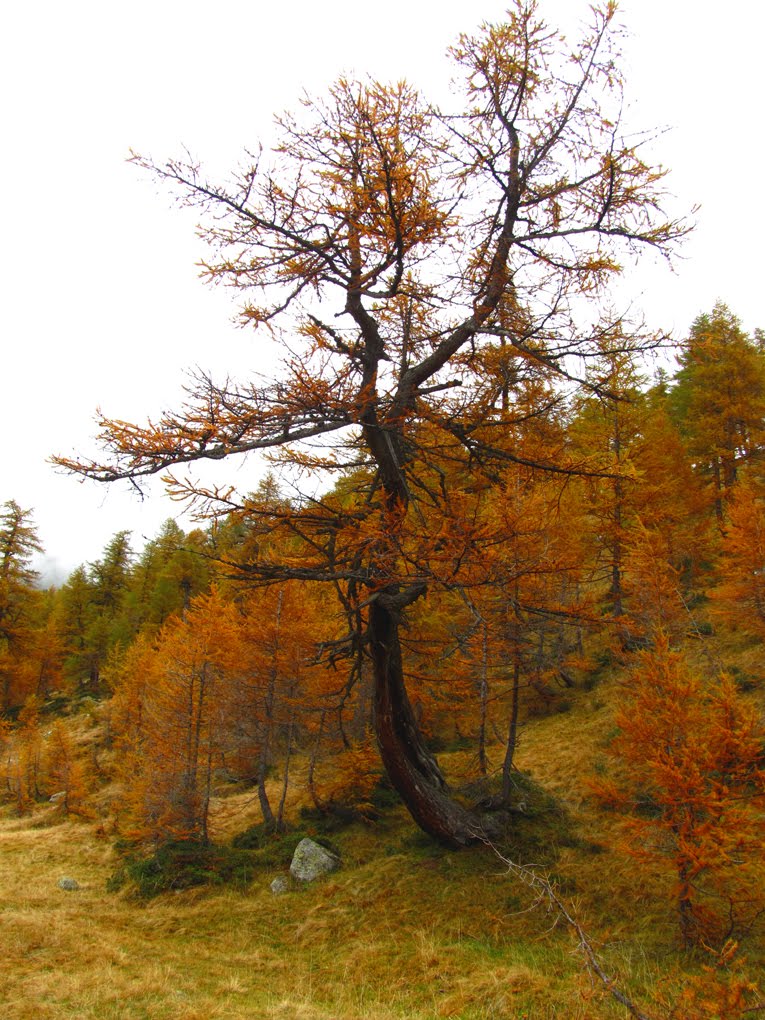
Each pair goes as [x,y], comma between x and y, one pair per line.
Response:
[311,860]
[57,797]
[70,884]
[279,885]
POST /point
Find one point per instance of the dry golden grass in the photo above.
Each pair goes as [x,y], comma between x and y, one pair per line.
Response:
[404,934]
[404,930]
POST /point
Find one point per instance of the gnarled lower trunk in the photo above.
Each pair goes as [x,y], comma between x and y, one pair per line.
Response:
[411,768]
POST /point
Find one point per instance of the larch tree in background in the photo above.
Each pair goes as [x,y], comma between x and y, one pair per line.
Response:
[72,614]
[168,574]
[607,430]
[646,485]
[65,770]
[90,613]
[169,720]
[18,544]
[739,598]
[391,251]
[672,498]
[719,399]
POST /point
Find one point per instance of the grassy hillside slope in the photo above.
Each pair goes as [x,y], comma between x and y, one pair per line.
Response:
[405,929]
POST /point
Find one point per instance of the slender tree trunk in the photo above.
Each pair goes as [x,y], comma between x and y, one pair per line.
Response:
[716,474]
[193,744]
[265,747]
[265,804]
[685,905]
[362,709]
[484,692]
[285,784]
[204,811]
[347,745]
[312,764]
[512,731]
[185,587]
[617,604]
[579,630]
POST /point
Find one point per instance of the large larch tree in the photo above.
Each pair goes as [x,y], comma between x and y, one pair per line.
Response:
[409,262]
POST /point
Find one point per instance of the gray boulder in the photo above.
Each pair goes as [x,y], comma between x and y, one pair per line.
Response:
[70,884]
[310,861]
[279,885]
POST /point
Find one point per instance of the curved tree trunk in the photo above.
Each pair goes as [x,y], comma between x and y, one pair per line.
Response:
[411,768]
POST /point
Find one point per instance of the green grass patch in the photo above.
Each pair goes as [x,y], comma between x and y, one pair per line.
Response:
[184,864]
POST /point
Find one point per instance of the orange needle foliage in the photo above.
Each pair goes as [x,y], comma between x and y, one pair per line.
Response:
[168,713]
[66,773]
[719,399]
[224,691]
[694,785]
[739,599]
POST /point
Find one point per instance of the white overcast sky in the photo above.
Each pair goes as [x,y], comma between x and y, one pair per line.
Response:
[100,304]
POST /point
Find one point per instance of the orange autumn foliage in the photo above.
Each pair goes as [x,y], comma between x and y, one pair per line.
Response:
[225,693]
[693,784]
[722,991]
[23,757]
[355,774]
[739,599]
[169,721]
[654,599]
[66,772]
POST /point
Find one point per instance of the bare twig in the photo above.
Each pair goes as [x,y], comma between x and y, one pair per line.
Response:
[542,885]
